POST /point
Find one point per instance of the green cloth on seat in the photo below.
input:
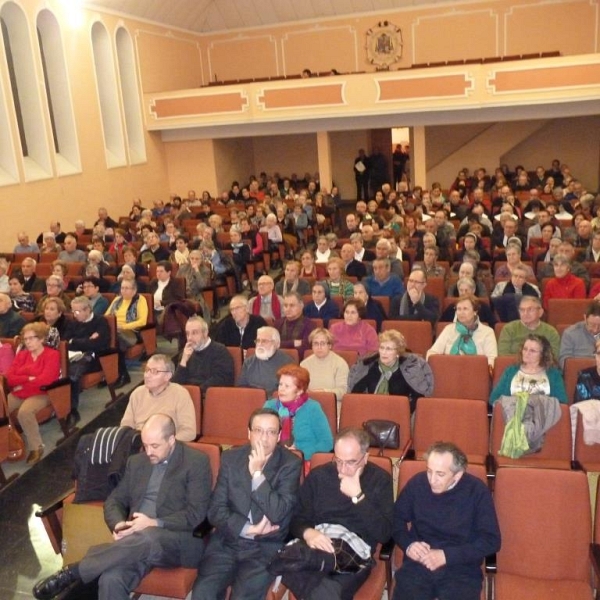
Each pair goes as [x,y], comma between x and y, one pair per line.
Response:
[514,441]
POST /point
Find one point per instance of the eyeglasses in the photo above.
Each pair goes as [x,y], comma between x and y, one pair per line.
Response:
[268,432]
[320,344]
[348,463]
[416,282]
[155,371]
[257,342]
[52,285]
[79,311]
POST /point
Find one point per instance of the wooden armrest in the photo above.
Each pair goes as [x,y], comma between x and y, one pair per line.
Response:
[45,511]
[56,384]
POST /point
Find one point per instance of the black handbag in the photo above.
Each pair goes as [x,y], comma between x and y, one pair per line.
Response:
[383,434]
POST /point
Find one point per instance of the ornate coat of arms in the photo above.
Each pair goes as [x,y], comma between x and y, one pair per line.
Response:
[384,45]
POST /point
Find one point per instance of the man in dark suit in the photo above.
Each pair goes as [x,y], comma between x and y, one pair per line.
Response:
[33,283]
[251,509]
[152,513]
[353,267]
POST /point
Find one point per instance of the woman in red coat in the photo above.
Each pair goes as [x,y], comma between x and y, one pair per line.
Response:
[34,366]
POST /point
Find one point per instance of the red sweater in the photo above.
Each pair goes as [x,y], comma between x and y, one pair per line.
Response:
[565,287]
[46,370]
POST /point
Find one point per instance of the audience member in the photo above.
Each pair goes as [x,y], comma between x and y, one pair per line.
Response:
[152,513]
[291,282]
[415,304]
[11,322]
[328,371]
[294,328]
[580,339]
[564,284]
[530,321]
[239,327]
[268,304]
[160,394]
[353,333]
[446,524]
[260,370]
[204,362]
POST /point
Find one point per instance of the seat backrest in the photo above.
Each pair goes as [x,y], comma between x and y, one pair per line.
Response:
[557,443]
[462,422]
[409,468]
[358,408]
[290,351]
[533,504]
[418,334]
[500,365]
[385,303]
[323,458]
[588,455]
[464,377]
[370,322]
[227,410]
[570,310]
[214,455]
[328,403]
[237,355]
[350,356]
[573,365]
[194,392]
[436,286]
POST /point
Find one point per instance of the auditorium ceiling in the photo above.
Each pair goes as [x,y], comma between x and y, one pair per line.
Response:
[207,16]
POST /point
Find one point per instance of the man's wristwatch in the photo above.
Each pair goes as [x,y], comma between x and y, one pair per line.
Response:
[257,474]
[356,499]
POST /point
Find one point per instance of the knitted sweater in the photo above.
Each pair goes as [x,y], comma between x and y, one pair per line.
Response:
[360,337]
[329,374]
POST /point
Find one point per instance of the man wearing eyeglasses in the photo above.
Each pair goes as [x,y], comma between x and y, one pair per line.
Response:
[250,508]
[350,492]
[160,395]
[415,304]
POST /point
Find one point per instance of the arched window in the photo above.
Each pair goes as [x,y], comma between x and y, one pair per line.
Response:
[131,97]
[58,94]
[25,94]
[108,97]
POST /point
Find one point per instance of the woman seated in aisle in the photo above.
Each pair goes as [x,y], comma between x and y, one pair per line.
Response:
[304,425]
[535,372]
[321,306]
[328,371]
[35,366]
[338,284]
[392,371]
[467,335]
[353,333]
[22,300]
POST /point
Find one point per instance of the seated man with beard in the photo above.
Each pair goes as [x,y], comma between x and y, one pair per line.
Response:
[260,370]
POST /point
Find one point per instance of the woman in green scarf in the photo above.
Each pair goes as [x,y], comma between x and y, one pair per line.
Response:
[467,335]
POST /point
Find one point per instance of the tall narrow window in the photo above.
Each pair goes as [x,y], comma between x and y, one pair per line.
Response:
[131,97]
[58,94]
[25,93]
[108,97]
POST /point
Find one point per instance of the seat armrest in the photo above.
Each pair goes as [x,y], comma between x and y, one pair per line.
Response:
[595,557]
[55,505]
[107,352]
[56,384]
[203,529]
[385,552]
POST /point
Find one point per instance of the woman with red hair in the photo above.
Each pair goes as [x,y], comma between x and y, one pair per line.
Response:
[304,425]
